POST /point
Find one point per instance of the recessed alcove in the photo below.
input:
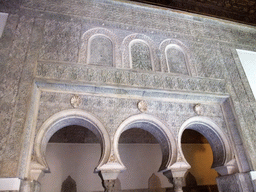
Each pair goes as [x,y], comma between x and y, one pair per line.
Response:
[72,151]
[199,155]
[141,154]
[176,60]
[140,55]
[100,51]
[75,151]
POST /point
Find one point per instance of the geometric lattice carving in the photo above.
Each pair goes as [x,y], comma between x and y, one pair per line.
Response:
[100,51]
[140,55]
[176,60]
[69,185]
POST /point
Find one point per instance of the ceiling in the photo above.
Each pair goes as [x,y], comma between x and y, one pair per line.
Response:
[243,11]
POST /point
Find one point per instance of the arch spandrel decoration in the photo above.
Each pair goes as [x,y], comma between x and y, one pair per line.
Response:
[158,129]
[64,119]
[179,49]
[126,51]
[99,32]
[223,161]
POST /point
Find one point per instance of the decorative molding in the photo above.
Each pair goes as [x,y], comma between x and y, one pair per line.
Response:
[112,76]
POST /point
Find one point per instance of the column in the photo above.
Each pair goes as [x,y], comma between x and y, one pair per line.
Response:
[176,175]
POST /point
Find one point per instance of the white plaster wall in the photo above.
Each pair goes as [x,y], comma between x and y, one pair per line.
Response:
[79,161]
[200,157]
[76,160]
[248,61]
[141,160]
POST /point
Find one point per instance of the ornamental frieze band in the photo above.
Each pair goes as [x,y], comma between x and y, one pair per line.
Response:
[112,76]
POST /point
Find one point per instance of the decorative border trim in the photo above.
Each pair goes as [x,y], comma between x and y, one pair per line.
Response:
[112,76]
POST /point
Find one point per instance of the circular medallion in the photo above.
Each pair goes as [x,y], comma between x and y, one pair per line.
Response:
[198,109]
[142,106]
[75,101]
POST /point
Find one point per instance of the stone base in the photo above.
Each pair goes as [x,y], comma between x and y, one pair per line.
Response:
[235,183]
[30,186]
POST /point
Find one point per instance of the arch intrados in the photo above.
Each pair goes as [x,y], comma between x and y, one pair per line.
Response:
[168,42]
[67,118]
[175,46]
[217,139]
[139,41]
[98,31]
[159,130]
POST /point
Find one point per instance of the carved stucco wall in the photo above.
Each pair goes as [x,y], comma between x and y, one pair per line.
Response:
[41,69]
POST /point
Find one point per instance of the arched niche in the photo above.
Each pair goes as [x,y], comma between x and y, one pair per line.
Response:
[100,51]
[139,39]
[100,36]
[59,121]
[158,129]
[140,55]
[218,140]
[176,58]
